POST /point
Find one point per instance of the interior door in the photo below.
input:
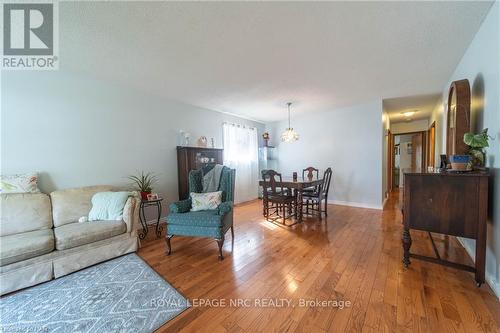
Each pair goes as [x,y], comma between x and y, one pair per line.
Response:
[431,149]
[417,150]
[390,160]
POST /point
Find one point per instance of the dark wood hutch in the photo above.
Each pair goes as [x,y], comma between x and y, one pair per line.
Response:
[194,158]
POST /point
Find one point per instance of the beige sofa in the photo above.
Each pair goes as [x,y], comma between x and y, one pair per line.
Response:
[41,238]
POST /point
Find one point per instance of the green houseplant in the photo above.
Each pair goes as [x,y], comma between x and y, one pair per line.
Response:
[477,143]
[144,183]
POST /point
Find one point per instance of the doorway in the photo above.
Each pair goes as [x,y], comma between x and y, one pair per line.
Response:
[431,145]
[408,153]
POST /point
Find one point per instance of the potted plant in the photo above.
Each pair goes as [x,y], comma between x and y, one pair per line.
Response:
[144,183]
[477,143]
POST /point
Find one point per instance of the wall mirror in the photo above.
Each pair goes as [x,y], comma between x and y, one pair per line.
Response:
[458,117]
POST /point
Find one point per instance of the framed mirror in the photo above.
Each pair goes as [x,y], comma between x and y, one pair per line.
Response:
[458,117]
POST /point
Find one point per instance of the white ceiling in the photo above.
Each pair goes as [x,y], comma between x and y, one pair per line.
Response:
[421,104]
[250,58]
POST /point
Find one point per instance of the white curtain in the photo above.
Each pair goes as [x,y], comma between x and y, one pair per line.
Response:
[241,153]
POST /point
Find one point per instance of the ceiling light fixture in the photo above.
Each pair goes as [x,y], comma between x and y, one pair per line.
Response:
[289,135]
[408,113]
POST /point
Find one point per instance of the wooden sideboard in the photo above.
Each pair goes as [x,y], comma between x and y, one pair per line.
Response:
[447,203]
[194,158]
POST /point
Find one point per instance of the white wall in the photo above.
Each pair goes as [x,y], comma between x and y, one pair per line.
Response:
[348,141]
[480,65]
[438,117]
[410,126]
[79,131]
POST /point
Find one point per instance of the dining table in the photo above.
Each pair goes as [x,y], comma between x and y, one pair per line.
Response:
[298,186]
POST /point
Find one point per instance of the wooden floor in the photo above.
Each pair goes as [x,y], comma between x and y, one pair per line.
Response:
[354,255]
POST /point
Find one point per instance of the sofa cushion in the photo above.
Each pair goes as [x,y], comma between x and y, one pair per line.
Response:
[24,212]
[76,234]
[18,247]
[71,204]
[205,218]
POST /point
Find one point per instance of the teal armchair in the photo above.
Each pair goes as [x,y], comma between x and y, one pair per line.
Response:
[209,223]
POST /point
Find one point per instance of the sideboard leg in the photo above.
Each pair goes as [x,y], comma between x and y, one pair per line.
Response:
[406,247]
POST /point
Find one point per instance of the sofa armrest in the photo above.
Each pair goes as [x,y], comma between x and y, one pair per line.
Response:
[131,212]
[225,207]
[182,206]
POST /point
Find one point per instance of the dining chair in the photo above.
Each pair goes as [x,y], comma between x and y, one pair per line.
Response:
[317,197]
[310,172]
[264,201]
[275,197]
[286,191]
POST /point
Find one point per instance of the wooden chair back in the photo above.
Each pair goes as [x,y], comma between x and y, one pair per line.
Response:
[327,178]
[271,180]
[310,172]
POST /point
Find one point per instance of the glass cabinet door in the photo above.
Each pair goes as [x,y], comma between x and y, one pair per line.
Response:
[204,158]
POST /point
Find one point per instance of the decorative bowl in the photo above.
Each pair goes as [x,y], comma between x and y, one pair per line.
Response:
[459,162]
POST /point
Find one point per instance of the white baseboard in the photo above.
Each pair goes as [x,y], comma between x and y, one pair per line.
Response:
[490,280]
[354,204]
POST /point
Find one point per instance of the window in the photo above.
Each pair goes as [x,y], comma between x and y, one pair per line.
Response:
[241,153]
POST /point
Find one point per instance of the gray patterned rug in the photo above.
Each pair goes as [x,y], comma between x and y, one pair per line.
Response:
[120,295]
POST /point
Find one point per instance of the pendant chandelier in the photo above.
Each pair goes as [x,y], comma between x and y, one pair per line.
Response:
[289,135]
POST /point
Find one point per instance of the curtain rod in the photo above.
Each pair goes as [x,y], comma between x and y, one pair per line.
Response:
[239,125]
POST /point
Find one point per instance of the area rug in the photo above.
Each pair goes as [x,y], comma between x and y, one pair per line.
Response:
[120,295]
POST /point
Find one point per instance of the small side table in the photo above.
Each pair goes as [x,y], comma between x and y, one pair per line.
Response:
[142,217]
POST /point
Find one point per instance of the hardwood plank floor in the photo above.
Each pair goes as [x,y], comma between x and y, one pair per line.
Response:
[354,255]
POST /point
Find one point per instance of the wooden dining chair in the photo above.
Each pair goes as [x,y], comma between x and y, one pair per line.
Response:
[276,198]
[265,204]
[315,199]
[310,172]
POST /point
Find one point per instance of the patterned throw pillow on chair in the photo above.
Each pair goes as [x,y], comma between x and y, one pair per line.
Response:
[205,201]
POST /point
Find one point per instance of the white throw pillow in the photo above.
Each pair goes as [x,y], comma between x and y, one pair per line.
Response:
[108,206]
[19,183]
[205,201]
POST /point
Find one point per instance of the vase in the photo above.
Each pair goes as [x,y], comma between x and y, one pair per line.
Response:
[478,158]
[144,195]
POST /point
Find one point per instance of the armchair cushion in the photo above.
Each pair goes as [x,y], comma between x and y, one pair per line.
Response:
[182,206]
[205,218]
